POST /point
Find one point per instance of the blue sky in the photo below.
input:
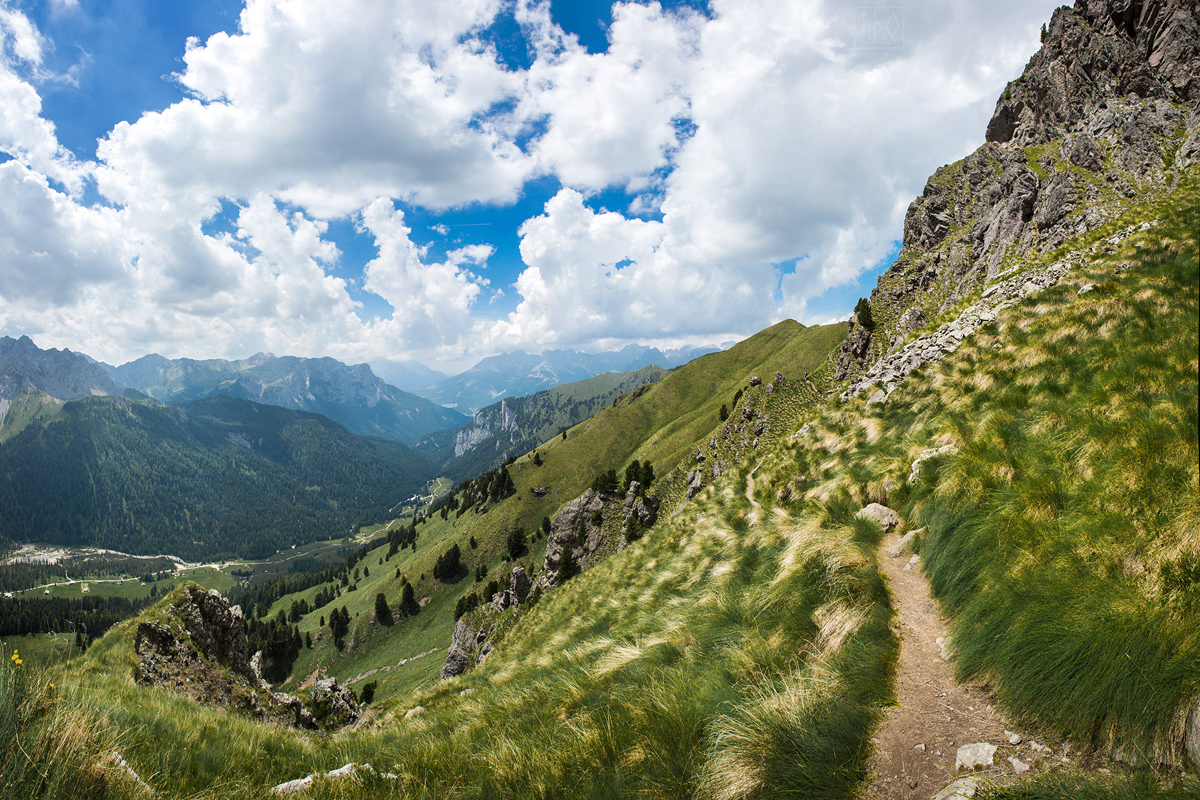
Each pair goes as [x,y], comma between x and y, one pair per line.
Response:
[389,180]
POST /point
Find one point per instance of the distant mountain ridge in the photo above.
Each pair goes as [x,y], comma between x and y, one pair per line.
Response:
[59,373]
[351,395]
[519,373]
[516,425]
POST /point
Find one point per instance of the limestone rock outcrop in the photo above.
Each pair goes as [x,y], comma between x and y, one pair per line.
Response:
[1103,113]
[573,528]
[458,656]
[196,645]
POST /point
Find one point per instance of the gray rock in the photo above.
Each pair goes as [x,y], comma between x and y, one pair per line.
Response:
[883,516]
[638,509]
[519,585]
[980,755]
[573,527]
[333,705]
[755,381]
[915,474]
[905,544]
[1192,736]
[961,789]
[458,656]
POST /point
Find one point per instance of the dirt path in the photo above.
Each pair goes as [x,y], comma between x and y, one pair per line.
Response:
[917,743]
[755,508]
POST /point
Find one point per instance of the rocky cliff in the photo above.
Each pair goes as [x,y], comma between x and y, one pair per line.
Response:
[58,373]
[195,643]
[590,527]
[1104,114]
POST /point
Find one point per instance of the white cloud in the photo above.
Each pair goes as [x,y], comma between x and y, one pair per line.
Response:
[609,116]
[810,141]
[327,106]
[51,249]
[804,146]
[600,276]
[24,133]
[432,302]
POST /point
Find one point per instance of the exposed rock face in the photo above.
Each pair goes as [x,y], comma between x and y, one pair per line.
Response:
[489,423]
[59,373]
[1099,50]
[638,512]
[1094,121]
[458,657]
[334,705]
[202,632]
[198,647]
[516,593]
[573,528]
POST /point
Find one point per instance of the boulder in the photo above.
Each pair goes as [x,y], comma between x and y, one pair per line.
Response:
[1192,737]
[879,514]
[905,544]
[915,474]
[333,705]
[961,789]
[755,381]
[458,656]
[980,755]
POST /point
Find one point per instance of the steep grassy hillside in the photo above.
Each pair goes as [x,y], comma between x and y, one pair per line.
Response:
[741,648]
[202,480]
[1060,522]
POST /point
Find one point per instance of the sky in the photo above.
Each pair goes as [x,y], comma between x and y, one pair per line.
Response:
[395,180]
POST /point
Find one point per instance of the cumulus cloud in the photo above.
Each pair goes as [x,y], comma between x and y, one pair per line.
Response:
[432,302]
[764,134]
[52,249]
[596,277]
[328,106]
[24,134]
[810,137]
[610,117]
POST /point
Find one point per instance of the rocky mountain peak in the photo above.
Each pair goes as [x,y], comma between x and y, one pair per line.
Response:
[1103,116]
[1099,50]
[58,373]
[196,644]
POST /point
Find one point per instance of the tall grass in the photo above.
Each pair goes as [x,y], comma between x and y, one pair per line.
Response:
[50,748]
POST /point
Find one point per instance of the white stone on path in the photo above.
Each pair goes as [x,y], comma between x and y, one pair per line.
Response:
[979,755]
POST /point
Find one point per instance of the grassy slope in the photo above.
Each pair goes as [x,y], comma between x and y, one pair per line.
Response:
[692,393]
[1062,535]
[725,657]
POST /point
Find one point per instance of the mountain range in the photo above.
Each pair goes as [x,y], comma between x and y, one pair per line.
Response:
[518,373]
[351,395]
